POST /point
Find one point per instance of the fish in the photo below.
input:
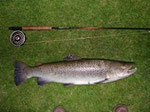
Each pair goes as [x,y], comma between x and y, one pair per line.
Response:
[72,71]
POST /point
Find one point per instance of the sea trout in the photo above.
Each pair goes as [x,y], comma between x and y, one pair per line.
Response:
[75,71]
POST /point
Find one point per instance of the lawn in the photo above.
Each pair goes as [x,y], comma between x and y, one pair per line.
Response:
[134,46]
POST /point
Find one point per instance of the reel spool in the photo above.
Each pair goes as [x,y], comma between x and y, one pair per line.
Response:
[17,38]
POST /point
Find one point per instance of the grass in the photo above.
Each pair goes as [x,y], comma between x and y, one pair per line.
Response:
[133,46]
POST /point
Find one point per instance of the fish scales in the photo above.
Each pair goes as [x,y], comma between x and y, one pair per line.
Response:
[70,71]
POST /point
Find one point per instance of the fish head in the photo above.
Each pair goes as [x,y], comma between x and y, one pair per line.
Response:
[121,71]
[127,69]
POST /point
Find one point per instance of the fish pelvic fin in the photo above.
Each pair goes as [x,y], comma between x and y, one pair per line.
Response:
[101,81]
[20,72]
[42,81]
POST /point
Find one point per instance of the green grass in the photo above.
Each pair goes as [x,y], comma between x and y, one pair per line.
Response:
[133,91]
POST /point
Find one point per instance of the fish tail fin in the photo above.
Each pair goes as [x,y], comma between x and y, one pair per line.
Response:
[20,72]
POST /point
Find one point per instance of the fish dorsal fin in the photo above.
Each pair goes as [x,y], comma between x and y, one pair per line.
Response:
[42,81]
[37,64]
[71,57]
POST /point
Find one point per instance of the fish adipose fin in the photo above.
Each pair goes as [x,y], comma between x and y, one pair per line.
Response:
[71,57]
[42,81]
[20,72]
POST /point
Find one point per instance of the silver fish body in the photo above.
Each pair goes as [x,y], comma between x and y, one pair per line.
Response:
[75,72]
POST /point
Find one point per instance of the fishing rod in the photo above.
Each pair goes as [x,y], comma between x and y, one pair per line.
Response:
[41,28]
[18,38]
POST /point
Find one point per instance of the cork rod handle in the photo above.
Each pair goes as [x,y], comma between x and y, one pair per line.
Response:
[36,28]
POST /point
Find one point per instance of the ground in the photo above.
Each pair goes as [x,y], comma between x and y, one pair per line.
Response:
[133,46]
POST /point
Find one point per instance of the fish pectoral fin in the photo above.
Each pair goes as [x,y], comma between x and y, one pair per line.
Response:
[42,81]
[68,84]
[71,57]
[101,81]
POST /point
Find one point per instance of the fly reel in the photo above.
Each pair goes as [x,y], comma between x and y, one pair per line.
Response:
[17,38]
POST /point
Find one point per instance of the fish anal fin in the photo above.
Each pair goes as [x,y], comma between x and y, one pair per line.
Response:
[67,84]
[42,81]
[71,57]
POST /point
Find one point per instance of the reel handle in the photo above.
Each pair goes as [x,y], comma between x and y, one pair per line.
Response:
[31,28]
[15,28]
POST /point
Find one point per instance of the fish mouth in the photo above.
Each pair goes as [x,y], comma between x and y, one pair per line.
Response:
[132,69]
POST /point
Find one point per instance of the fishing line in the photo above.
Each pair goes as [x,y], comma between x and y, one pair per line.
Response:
[81,38]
